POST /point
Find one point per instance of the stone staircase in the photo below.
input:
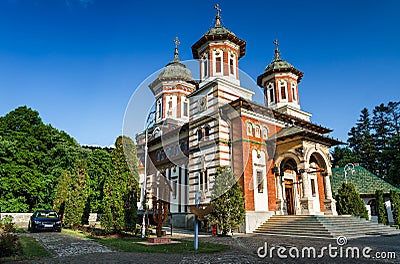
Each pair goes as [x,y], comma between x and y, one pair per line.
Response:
[323,226]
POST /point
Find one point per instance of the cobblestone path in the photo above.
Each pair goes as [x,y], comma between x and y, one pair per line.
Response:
[243,249]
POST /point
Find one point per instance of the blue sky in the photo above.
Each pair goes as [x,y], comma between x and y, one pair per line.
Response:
[78,62]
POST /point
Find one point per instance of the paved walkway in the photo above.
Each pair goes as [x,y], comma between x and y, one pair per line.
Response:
[243,249]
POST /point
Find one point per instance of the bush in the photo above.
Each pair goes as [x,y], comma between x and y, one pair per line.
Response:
[228,202]
[348,201]
[395,200]
[381,208]
[9,244]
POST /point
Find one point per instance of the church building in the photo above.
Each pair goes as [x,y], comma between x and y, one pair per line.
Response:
[280,159]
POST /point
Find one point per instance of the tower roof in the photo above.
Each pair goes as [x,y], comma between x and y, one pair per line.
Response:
[218,32]
[175,70]
[279,65]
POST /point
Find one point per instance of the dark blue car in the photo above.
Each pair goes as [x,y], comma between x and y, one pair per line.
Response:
[44,220]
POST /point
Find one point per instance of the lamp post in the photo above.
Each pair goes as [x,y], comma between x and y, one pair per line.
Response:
[145,173]
[196,223]
[348,165]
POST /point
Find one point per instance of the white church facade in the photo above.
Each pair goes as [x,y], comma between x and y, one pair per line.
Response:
[280,159]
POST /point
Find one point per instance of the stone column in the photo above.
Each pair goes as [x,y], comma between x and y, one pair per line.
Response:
[279,199]
[329,202]
[307,205]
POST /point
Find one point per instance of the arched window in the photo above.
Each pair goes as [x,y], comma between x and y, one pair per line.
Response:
[271,94]
[257,131]
[159,109]
[205,65]
[207,132]
[265,133]
[249,128]
[218,61]
[282,87]
[199,134]
[294,96]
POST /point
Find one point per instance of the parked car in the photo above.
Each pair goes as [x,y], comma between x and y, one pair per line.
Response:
[44,220]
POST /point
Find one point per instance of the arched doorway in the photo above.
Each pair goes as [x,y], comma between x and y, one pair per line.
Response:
[289,179]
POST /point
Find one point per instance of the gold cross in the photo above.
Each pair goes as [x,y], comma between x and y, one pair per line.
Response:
[218,9]
[177,42]
[276,43]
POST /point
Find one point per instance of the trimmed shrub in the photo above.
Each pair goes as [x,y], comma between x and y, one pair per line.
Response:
[381,208]
[348,201]
[395,201]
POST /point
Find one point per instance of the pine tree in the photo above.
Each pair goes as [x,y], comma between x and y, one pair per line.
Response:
[362,142]
[227,201]
[343,156]
[349,202]
[381,128]
[381,208]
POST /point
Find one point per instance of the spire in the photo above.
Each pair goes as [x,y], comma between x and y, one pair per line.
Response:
[176,53]
[218,16]
[277,55]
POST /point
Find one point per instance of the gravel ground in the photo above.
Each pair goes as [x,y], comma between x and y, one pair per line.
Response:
[243,249]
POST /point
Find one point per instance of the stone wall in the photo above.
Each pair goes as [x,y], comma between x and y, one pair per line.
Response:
[22,219]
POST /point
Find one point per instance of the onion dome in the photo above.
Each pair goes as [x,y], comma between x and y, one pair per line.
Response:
[175,69]
[218,32]
[279,65]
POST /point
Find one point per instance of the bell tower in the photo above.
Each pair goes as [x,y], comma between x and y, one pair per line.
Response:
[280,81]
[171,88]
[219,51]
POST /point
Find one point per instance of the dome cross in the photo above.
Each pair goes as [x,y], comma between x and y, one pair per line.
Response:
[176,53]
[277,55]
[218,16]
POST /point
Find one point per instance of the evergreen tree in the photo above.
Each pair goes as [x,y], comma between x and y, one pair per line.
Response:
[227,201]
[72,193]
[392,154]
[98,169]
[343,156]
[362,142]
[349,202]
[120,188]
[395,201]
[381,128]
[381,208]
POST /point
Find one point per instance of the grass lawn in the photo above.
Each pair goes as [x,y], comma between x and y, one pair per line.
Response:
[129,244]
[30,249]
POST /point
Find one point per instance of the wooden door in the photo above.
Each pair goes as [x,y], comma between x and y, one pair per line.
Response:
[289,197]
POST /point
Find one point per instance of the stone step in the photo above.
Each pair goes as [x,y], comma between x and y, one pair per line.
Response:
[323,226]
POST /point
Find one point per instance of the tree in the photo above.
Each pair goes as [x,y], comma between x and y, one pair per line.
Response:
[381,208]
[395,201]
[362,142]
[348,201]
[72,193]
[227,201]
[343,156]
[32,157]
[98,169]
[120,188]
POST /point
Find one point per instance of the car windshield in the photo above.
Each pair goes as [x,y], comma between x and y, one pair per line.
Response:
[47,214]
